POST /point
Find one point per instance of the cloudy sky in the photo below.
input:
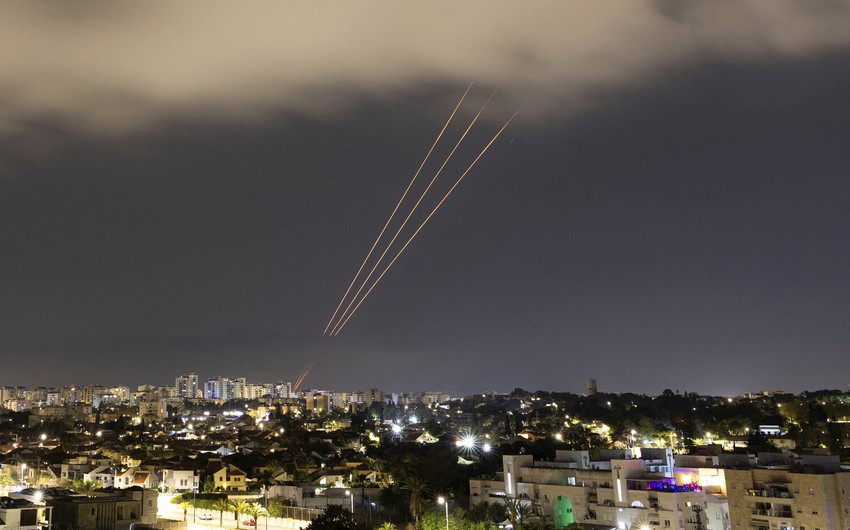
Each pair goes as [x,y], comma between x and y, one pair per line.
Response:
[190,186]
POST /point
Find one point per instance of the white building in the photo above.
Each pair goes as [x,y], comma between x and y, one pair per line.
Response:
[623,489]
[186,386]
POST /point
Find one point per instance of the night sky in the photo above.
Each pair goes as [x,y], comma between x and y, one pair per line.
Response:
[191,186]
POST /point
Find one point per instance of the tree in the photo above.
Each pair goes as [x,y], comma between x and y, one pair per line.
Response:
[222,506]
[487,512]
[335,518]
[377,466]
[435,519]
[239,507]
[265,479]
[394,499]
[184,505]
[255,509]
[85,487]
[517,511]
[417,489]
[277,504]
[6,480]
[387,526]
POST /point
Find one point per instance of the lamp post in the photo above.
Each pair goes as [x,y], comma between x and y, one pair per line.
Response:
[445,501]
[351,496]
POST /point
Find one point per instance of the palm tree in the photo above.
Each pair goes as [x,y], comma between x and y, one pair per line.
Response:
[255,509]
[238,507]
[377,466]
[265,478]
[305,463]
[184,505]
[86,487]
[417,488]
[517,511]
[387,526]
[222,506]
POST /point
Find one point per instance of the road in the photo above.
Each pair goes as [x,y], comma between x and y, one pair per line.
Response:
[166,510]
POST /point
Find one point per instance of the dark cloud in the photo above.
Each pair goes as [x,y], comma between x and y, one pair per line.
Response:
[119,67]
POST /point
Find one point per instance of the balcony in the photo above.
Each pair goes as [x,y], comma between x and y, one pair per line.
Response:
[661,486]
[770,493]
[773,513]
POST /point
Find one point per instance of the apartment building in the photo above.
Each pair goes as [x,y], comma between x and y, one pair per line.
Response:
[186,386]
[780,492]
[622,489]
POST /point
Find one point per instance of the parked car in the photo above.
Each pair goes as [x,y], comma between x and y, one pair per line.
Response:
[206,517]
[248,522]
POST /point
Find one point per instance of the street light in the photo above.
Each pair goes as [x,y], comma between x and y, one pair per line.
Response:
[349,494]
[444,501]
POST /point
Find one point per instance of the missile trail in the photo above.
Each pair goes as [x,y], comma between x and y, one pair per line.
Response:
[304,372]
[433,211]
[334,332]
[352,308]
[311,361]
[403,195]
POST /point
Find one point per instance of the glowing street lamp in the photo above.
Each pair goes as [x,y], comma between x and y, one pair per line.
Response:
[467,441]
[486,447]
[348,494]
[444,501]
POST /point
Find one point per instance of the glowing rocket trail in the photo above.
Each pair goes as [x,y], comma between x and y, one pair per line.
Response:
[409,215]
[433,211]
[349,312]
[304,372]
[311,361]
[403,195]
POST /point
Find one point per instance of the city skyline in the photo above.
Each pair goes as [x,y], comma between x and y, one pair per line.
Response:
[668,210]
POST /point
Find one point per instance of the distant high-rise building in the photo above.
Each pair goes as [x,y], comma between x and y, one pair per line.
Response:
[283,390]
[433,398]
[591,387]
[187,386]
[238,388]
[317,403]
[372,396]
[217,388]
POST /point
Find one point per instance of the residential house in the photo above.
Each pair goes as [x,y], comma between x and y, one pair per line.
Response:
[226,477]
[180,477]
